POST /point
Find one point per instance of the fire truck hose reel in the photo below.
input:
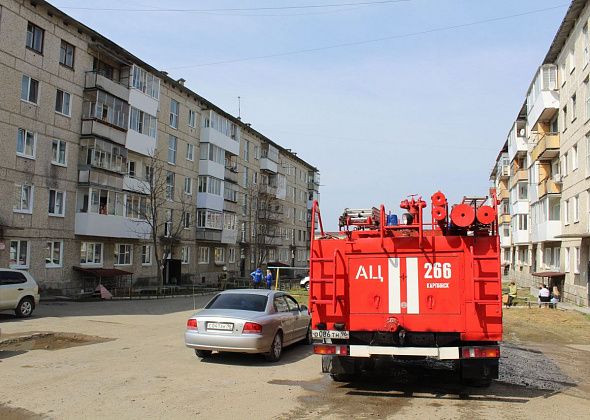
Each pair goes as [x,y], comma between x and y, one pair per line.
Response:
[439,213]
[463,215]
[486,215]
[438,199]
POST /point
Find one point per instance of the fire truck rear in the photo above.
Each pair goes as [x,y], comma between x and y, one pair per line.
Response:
[409,289]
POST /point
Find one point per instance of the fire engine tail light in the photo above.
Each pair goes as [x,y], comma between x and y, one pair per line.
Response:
[330,349]
[480,352]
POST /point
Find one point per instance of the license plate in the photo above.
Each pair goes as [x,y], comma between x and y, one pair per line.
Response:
[221,326]
[330,334]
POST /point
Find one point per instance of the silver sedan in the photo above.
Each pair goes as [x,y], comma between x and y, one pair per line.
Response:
[248,321]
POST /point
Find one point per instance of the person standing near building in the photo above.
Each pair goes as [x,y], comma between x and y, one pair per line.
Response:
[268,279]
[256,277]
[512,291]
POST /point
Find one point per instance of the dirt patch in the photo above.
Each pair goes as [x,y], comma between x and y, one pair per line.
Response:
[48,341]
[15,413]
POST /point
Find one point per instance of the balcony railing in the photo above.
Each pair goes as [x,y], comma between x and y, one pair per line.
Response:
[520,175]
[231,174]
[503,195]
[95,80]
[547,147]
[503,171]
[549,186]
[505,218]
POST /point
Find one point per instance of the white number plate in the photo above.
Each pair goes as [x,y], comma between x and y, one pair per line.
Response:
[330,334]
[223,326]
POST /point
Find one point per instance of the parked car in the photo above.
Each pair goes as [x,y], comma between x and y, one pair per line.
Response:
[18,292]
[304,283]
[248,321]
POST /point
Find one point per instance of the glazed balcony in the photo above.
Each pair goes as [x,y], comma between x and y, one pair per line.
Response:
[110,226]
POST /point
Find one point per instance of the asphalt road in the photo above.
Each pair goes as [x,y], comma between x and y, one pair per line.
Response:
[127,360]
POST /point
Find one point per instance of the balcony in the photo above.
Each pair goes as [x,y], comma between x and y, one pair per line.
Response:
[503,194]
[520,237]
[140,143]
[518,176]
[549,186]
[546,231]
[544,108]
[505,241]
[135,185]
[105,130]
[504,172]
[208,235]
[231,174]
[267,189]
[229,236]
[94,80]
[211,135]
[230,206]
[90,176]
[505,218]
[268,165]
[547,147]
[270,216]
[108,226]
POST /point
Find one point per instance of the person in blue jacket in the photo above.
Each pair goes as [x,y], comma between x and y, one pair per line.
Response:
[256,277]
[268,279]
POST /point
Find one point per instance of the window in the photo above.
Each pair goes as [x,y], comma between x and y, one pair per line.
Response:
[566,257]
[208,184]
[209,219]
[54,254]
[586,45]
[131,168]
[573,107]
[576,204]
[106,107]
[24,198]
[571,61]
[256,152]
[91,253]
[145,82]
[219,255]
[174,107]
[19,254]
[192,118]
[26,143]
[35,38]
[148,172]
[188,186]
[185,255]
[143,123]
[577,260]
[123,254]
[246,150]
[213,153]
[203,255]
[564,120]
[62,102]
[245,177]
[172,143]
[190,152]
[186,220]
[522,222]
[146,255]
[66,54]
[58,152]
[56,203]
[232,255]
[566,212]
[168,223]
[29,91]
[170,185]
[574,157]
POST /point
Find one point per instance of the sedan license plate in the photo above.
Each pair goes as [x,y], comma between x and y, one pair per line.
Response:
[220,326]
[330,334]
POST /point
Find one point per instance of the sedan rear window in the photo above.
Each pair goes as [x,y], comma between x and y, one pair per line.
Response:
[244,302]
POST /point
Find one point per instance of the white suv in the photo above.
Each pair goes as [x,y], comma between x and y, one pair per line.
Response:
[18,292]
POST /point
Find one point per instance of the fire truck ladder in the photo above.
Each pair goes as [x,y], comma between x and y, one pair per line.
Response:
[327,280]
[478,281]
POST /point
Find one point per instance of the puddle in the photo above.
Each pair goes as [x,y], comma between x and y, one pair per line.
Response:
[48,341]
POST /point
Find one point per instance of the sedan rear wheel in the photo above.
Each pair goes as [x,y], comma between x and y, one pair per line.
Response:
[203,354]
[276,349]
[308,337]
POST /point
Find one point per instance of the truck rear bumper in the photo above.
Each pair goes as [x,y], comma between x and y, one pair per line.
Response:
[442,353]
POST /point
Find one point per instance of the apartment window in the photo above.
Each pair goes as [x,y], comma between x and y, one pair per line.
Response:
[35,38]
[62,102]
[566,212]
[192,118]
[58,152]
[576,204]
[219,255]
[148,172]
[53,257]
[185,255]
[146,255]
[188,185]
[208,184]
[209,219]
[106,107]
[574,157]
[573,107]
[255,178]
[168,224]
[577,260]
[566,257]
[91,253]
[174,107]
[245,177]
[143,123]
[190,152]
[123,254]
[29,91]
[66,54]
[19,254]
[571,61]
[170,185]
[186,220]
[172,143]
[24,198]
[203,255]
[231,255]
[256,152]
[564,118]
[145,82]
[56,203]
[131,168]
[26,143]
[523,221]
[246,150]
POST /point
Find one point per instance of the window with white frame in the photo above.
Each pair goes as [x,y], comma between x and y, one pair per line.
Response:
[564,118]
[256,152]
[63,102]
[59,152]
[192,118]
[66,54]
[123,254]
[209,184]
[571,61]
[231,255]
[26,142]
[54,254]
[566,212]
[203,255]
[145,82]
[576,205]
[146,255]
[186,220]
[56,203]
[246,147]
[566,257]
[170,179]
[188,185]
[219,255]
[576,260]
[23,198]
[131,168]
[91,253]
[190,152]
[209,219]
[174,110]
[574,107]
[19,254]
[172,144]
[143,123]
[35,37]
[168,223]
[29,91]
[523,189]
[185,254]
[523,221]
[574,157]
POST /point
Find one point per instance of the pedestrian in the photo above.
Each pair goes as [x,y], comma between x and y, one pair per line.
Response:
[256,277]
[511,293]
[268,279]
[544,296]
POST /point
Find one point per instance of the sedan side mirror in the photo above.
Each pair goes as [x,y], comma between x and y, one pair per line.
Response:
[303,308]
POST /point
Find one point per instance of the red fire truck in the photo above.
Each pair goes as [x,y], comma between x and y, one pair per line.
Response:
[408,288]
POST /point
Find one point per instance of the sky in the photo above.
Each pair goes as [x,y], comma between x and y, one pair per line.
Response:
[425,107]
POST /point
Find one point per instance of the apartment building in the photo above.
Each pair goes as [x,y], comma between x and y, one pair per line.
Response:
[548,150]
[113,171]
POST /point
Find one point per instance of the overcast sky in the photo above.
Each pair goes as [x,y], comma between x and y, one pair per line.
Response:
[409,114]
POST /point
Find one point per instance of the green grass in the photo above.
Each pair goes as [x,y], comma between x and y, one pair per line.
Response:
[300,295]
